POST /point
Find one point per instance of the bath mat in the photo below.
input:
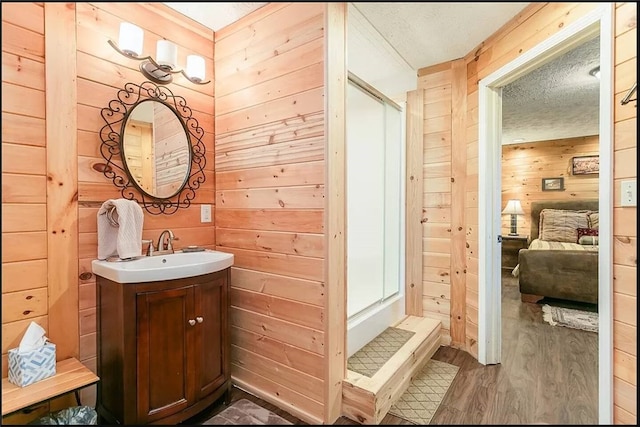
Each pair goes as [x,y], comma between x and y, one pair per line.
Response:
[570,318]
[244,412]
[370,358]
[425,393]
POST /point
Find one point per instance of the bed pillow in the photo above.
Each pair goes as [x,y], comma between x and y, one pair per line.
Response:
[594,220]
[588,236]
[559,225]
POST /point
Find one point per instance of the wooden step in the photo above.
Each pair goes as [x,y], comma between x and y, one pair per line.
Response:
[367,400]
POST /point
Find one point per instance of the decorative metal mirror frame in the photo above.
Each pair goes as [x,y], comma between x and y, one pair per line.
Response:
[112,134]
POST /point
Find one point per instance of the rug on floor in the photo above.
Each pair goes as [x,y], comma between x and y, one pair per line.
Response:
[245,412]
[370,358]
[425,393]
[570,318]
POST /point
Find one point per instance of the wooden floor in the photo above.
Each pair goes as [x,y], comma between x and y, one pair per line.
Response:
[548,374]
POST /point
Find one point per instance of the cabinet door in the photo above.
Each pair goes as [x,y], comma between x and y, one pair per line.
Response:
[211,335]
[165,337]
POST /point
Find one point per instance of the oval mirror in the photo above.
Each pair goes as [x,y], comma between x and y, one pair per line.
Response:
[156,149]
[153,148]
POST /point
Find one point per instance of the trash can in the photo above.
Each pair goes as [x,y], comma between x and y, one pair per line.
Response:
[76,415]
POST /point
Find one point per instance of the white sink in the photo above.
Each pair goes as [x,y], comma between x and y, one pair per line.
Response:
[163,267]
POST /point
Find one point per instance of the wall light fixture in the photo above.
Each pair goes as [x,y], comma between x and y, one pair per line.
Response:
[161,69]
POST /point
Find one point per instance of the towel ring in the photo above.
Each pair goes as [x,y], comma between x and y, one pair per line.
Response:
[113,221]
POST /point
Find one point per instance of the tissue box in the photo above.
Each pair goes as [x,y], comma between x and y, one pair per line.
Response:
[31,366]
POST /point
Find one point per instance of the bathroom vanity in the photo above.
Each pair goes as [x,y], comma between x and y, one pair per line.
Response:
[163,348]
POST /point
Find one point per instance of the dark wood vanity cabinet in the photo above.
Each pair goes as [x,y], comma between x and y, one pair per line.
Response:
[163,348]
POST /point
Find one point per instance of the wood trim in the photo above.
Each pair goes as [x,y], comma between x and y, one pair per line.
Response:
[458,198]
[335,218]
[414,187]
[62,172]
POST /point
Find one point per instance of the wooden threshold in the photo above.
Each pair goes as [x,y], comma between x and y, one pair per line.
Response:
[368,399]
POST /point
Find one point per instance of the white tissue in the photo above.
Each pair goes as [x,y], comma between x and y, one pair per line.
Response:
[33,338]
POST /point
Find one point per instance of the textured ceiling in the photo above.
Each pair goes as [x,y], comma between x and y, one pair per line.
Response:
[557,100]
[428,33]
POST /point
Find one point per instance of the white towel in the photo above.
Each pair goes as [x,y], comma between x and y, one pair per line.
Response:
[124,240]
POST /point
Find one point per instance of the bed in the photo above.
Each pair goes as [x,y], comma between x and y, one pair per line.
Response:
[561,260]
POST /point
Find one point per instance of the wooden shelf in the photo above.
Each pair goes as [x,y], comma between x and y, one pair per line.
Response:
[71,375]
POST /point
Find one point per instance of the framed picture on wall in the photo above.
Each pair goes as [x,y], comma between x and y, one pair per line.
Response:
[552,184]
[584,165]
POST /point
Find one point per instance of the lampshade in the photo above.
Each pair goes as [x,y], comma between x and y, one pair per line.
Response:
[130,39]
[166,53]
[195,67]
[513,208]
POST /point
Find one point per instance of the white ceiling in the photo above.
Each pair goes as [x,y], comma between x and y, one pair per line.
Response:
[558,100]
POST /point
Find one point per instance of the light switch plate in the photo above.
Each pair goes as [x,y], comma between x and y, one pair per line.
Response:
[205,213]
[628,195]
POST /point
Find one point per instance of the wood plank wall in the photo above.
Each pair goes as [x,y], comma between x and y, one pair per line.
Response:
[101,72]
[270,198]
[24,170]
[625,243]
[529,28]
[524,166]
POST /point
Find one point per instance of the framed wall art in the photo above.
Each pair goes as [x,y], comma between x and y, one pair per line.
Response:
[552,184]
[585,165]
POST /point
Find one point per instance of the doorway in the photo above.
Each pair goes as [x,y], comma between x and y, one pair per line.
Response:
[489,213]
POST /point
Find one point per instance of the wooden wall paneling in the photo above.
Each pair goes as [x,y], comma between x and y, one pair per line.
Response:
[624,224]
[294,220]
[22,71]
[290,333]
[524,166]
[301,290]
[299,127]
[248,22]
[292,379]
[297,404]
[309,173]
[307,315]
[293,357]
[20,276]
[25,130]
[62,186]
[286,85]
[274,27]
[24,246]
[335,269]
[21,41]
[271,193]
[34,190]
[26,15]
[458,197]
[24,304]
[311,245]
[23,100]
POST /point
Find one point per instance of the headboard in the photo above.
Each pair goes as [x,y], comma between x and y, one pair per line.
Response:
[571,205]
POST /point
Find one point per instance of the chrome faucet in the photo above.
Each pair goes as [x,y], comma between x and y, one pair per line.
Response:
[165,246]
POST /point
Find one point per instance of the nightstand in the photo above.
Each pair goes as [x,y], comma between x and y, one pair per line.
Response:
[511,245]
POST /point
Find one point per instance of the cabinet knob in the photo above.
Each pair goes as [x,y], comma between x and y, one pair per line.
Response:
[192,322]
[199,319]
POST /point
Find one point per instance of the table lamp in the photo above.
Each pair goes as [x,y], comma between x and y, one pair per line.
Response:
[513,208]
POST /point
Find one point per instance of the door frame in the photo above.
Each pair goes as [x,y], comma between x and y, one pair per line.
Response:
[600,20]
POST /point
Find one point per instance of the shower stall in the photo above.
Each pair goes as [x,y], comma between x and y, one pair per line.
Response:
[375,151]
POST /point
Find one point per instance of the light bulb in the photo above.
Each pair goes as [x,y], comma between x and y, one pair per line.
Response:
[130,39]
[166,54]
[195,68]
